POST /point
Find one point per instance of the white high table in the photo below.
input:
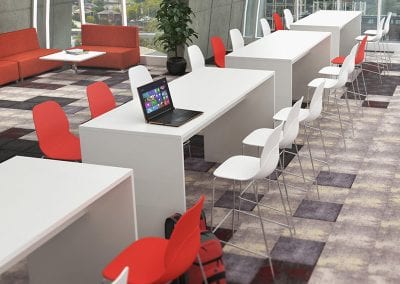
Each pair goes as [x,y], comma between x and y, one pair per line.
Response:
[234,102]
[68,219]
[344,26]
[295,56]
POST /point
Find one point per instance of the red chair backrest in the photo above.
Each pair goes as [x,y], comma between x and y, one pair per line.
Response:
[361,51]
[50,123]
[100,98]
[278,22]
[219,51]
[184,244]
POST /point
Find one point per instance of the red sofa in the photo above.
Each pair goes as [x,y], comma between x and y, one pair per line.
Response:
[8,72]
[120,43]
[21,48]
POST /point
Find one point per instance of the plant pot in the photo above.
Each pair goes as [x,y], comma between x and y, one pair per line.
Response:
[176,65]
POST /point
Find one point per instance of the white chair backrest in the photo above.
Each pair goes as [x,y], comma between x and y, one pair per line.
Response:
[344,72]
[379,31]
[291,126]
[316,102]
[139,76]
[270,154]
[288,18]
[236,39]
[265,27]
[196,57]
[386,27]
[123,277]
[352,64]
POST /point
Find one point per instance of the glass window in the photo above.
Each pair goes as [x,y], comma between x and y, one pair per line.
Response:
[76,24]
[103,12]
[394,7]
[142,13]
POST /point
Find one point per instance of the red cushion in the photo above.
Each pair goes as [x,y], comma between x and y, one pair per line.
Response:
[8,72]
[338,60]
[110,35]
[18,41]
[145,259]
[115,57]
[64,148]
[29,63]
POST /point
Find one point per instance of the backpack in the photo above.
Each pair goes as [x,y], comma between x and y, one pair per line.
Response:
[210,254]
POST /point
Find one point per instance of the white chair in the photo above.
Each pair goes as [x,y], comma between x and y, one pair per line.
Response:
[123,277]
[376,41]
[288,18]
[335,70]
[333,85]
[138,76]
[265,27]
[289,134]
[236,39]
[307,117]
[251,169]
[196,57]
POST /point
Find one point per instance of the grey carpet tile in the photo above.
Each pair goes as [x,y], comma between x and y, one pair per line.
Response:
[226,201]
[325,211]
[15,132]
[72,109]
[375,104]
[298,251]
[197,164]
[335,179]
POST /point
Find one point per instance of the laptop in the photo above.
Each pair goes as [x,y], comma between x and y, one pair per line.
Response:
[158,108]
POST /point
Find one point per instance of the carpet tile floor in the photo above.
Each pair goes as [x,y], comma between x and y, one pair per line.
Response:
[349,235]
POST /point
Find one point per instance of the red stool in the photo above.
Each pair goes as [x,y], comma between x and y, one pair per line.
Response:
[157,260]
[219,51]
[278,22]
[100,98]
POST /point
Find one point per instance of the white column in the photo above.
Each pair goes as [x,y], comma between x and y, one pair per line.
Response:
[47,13]
[123,12]
[82,9]
[34,14]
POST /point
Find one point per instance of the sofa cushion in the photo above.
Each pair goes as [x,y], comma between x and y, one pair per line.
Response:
[115,57]
[101,35]
[29,63]
[8,72]
[18,41]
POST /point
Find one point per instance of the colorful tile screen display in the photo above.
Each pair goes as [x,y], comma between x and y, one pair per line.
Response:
[156,99]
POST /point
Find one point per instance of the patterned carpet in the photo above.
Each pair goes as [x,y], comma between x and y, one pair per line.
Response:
[349,235]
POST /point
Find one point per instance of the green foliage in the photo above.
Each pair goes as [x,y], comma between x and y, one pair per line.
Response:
[90,19]
[174,20]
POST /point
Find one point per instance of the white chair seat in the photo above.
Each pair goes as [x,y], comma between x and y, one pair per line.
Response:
[329,83]
[369,38]
[330,70]
[239,168]
[371,32]
[283,114]
[258,137]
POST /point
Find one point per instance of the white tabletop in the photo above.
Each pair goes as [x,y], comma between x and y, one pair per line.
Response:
[211,90]
[328,18]
[282,45]
[63,56]
[39,196]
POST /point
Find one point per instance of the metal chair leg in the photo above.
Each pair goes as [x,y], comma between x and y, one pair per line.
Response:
[312,162]
[203,274]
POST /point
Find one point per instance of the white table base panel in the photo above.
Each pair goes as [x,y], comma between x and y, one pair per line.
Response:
[81,250]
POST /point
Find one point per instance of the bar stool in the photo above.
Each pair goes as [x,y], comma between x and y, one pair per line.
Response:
[288,18]
[219,51]
[266,29]
[332,85]
[196,58]
[138,76]
[236,39]
[278,22]
[250,169]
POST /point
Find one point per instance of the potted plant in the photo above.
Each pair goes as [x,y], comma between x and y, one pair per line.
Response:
[174,19]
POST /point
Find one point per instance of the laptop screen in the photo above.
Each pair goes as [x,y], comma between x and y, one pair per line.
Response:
[155,98]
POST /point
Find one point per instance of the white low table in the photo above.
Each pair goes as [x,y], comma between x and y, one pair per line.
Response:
[234,102]
[295,56]
[344,26]
[73,59]
[68,219]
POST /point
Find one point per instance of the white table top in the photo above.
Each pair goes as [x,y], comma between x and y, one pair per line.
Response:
[282,45]
[328,18]
[63,56]
[211,90]
[38,197]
